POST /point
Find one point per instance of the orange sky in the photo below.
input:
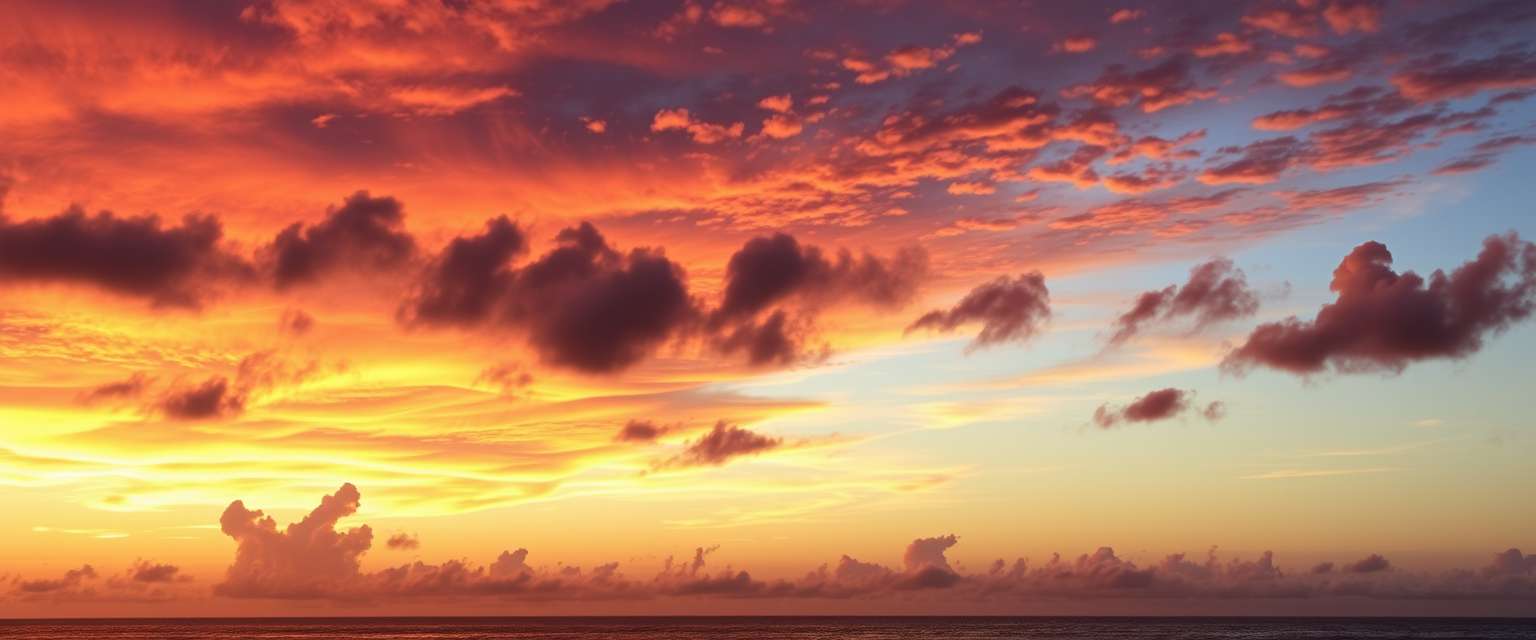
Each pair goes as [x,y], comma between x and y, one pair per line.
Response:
[765,306]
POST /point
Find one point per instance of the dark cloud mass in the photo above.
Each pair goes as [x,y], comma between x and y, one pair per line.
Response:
[213,398]
[1010,309]
[583,305]
[1216,291]
[365,233]
[170,266]
[1162,404]
[768,270]
[1383,320]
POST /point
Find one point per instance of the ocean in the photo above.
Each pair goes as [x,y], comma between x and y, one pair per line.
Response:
[806,628]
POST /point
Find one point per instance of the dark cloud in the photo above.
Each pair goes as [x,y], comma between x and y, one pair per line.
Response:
[769,270]
[583,305]
[213,398]
[723,443]
[1162,404]
[364,233]
[153,572]
[1216,291]
[1369,564]
[776,340]
[70,579]
[471,277]
[403,542]
[1383,320]
[1010,309]
[170,266]
[640,431]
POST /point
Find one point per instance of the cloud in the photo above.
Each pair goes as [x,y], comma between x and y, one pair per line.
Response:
[70,579]
[170,266]
[1370,564]
[1357,102]
[403,542]
[1292,22]
[723,443]
[1383,320]
[364,233]
[128,389]
[775,340]
[295,322]
[1215,292]
[308,559]
[680,119]
[1152,89]
[906,60]
[1258,162]
[313,560]
[768,270]
[583,305]
[213,398]
[1441,79]
[1155,406]
[640,431]
[1484,154]
[1126,15]
[1010,309]
[154,572]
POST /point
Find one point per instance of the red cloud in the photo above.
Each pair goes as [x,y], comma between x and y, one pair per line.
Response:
[1383,320]
[1153,89]
[1440,79]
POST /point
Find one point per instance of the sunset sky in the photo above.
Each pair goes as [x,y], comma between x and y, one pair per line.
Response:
[766,306]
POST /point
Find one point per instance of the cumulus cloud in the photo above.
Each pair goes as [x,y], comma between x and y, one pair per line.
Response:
[723,443]
[640,431]
[174,266]
[770,269]
[1162,404]
[583,305]
[1216,291]
[365,232]
[307,559]
[1382,320]
[1009,309]
[313,559]
[770,273]
[403,542]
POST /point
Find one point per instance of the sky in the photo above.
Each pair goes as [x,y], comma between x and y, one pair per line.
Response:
[349,307]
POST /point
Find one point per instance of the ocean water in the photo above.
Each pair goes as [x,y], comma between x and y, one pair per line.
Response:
[809,628]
